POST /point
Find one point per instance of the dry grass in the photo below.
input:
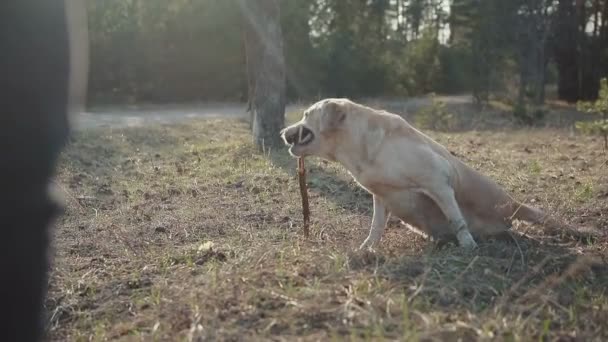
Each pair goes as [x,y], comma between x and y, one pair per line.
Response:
[185,232]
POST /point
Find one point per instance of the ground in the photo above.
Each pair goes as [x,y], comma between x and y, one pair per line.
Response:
[178,231]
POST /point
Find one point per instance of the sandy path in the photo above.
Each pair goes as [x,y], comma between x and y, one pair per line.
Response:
[136,116]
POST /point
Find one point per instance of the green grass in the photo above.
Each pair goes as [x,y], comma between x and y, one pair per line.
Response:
[174,232]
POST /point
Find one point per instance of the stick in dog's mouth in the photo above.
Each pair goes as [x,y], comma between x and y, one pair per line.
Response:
[304,195]
[305,136]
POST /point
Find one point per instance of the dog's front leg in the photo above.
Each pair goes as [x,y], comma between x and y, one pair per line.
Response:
[379,220]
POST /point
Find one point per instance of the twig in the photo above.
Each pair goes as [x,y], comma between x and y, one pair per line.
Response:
[74,199]
[507,294]
[457,279]
[521,253]
[304,194]
[421,286]
[288,300]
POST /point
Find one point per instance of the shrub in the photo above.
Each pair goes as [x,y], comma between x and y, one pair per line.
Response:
[435,116]
[597,107]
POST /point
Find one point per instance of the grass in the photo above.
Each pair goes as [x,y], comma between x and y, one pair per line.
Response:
[187,231]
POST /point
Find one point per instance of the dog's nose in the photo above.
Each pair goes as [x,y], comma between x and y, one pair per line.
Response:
[291,135]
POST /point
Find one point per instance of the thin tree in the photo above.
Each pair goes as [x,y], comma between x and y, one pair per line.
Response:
[265,69]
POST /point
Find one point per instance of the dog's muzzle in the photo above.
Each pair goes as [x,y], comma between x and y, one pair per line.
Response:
[300,135]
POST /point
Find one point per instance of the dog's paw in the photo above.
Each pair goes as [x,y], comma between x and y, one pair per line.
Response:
[466,241]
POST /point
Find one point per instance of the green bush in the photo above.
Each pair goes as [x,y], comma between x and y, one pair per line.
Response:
[435,116]
[598,107]
[528,115]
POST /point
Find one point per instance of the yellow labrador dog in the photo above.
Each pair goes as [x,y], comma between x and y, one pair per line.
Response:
[409,174]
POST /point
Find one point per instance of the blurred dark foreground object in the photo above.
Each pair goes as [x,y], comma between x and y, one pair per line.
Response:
[43,62]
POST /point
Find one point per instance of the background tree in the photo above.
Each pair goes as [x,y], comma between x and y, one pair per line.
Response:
[265,69]
[581,47]
[534,22]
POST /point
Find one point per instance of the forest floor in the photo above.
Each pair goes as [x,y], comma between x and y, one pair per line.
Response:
[183,230]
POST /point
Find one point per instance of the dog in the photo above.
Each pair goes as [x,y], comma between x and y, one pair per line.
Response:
[410,175]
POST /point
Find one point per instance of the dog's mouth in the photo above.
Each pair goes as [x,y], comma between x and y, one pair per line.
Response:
[302,137]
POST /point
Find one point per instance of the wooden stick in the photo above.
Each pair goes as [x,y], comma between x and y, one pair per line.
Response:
[304,194]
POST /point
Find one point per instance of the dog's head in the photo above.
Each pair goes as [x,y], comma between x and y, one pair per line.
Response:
[319,130]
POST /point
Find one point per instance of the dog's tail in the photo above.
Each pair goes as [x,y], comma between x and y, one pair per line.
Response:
[553,225]
[528,213]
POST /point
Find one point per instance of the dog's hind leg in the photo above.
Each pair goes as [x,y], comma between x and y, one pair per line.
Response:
[446,201]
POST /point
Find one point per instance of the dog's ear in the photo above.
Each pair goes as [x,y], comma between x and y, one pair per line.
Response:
[334,114]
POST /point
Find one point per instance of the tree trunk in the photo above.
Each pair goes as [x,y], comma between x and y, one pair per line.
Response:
[532,39]
[250,83]
[265,70]
[541,60]
[542,77]
[566,55]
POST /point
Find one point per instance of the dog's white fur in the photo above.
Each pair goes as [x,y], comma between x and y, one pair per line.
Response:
[409,174]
